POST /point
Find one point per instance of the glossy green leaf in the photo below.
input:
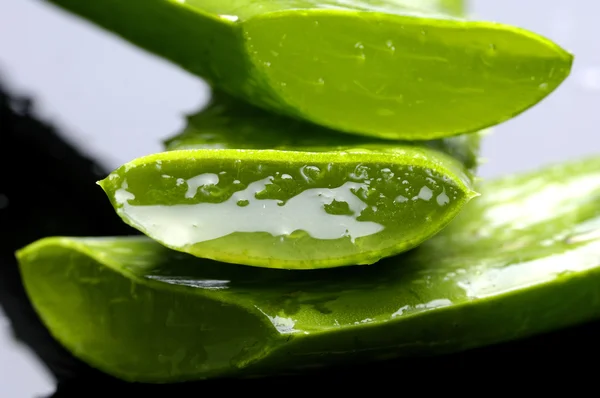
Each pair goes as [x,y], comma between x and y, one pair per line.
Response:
[523,259]
[391,69]
[228,123]
[291,209]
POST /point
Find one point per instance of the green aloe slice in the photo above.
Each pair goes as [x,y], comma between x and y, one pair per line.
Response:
[291,209]
[228,123]
[523,259]
[390,69]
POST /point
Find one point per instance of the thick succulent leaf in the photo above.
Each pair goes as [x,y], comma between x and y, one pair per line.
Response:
[291,209]
[524,259]
[390,69]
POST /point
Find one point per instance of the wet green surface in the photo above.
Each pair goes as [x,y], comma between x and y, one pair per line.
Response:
[228,123]
[395,70]
[291,209]
[522,259]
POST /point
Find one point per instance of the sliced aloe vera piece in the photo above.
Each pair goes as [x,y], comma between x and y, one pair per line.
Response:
[291,209]
[390,69]
[228,123]
[523,259]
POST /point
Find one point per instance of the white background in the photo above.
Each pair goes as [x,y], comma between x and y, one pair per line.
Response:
[118,102]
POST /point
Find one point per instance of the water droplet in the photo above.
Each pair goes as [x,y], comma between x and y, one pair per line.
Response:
[360,172]
[442,199]
[425,193]
[543,86]
[390,44]
[387,173]
[286,177]
[232,18]
[310,173]
[321,81]
[401,199]
[359,45]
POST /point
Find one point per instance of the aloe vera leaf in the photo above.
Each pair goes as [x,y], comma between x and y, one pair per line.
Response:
[291,209]
[228,123]
[522,260]
[394,70]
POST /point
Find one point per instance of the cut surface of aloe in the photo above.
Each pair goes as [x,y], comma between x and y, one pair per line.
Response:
[521,260]
[291,209]
[389,69]
[228,123]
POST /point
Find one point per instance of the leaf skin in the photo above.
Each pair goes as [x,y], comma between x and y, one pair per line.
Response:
[291,209]
[524,259]
[228,123]
[375,68]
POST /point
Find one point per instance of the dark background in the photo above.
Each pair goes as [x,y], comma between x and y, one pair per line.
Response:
[115,102]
